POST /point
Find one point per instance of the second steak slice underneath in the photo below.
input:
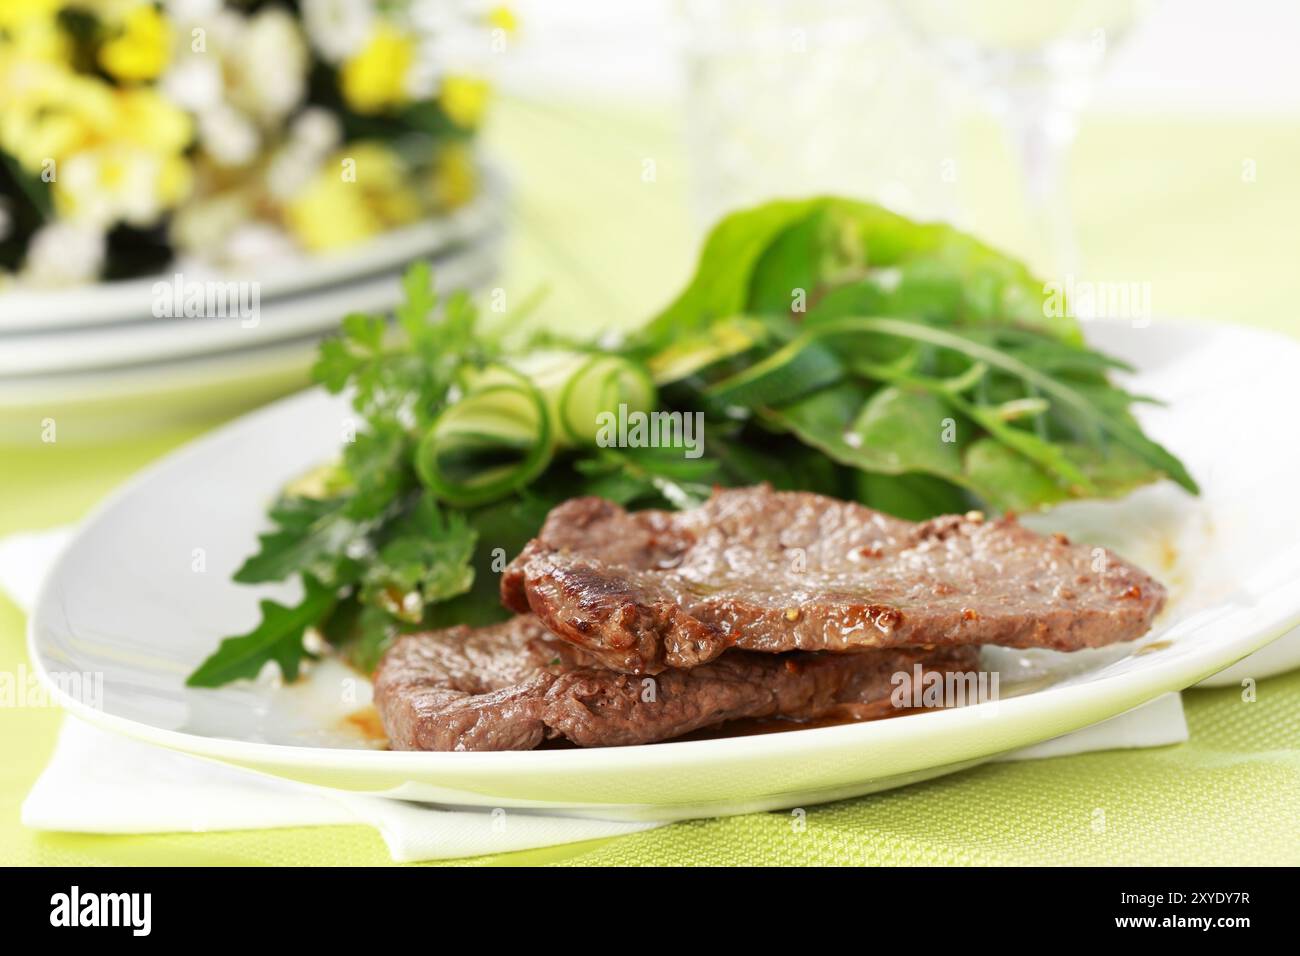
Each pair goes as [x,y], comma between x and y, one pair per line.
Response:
[513,685]
[783,571]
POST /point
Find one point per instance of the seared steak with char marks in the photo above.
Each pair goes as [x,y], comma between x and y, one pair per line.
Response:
[782,571]
[513,685]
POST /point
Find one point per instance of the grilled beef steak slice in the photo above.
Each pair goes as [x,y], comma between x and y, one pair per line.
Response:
[781,571]
[511,686]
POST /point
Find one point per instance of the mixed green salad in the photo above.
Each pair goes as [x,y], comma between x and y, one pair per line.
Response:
[825,345]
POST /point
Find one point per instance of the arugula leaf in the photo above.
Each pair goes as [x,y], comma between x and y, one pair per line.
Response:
[424,559]
[312,537]
[277,638]
[360,632]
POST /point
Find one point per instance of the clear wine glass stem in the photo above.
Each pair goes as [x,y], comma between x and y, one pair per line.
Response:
[1042,135]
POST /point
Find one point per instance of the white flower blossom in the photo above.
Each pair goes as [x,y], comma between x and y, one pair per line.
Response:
[256,64]
[64,253]
[255,243]
[337,28]
[228,136]
[313,135]
[317,129]
[273,60]
[191,11]
[111,183]
[194,82]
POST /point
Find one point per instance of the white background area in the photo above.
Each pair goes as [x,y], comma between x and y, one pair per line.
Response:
[1195,56]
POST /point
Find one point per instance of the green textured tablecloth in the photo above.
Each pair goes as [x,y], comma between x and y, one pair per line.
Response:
[1163,202]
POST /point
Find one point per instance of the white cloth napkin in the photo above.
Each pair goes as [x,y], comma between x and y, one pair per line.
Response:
[98,782]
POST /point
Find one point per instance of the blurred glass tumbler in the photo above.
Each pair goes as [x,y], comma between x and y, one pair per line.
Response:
[791,99]
[1035,65]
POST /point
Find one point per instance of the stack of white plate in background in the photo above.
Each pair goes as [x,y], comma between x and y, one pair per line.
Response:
[98,356]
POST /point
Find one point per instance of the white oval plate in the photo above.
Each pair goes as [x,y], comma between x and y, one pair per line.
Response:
[131,300]
[31,358]
[143,594]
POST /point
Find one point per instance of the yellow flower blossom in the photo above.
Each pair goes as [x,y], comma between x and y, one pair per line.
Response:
[143,48]
[16,13]
[503,18]
[464,99]
[32,36]
[110,154]
[359,193]
[150,120]
[48,112]
[115,149]
[375,79]
[175,181]
[455,176]
[326,216]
